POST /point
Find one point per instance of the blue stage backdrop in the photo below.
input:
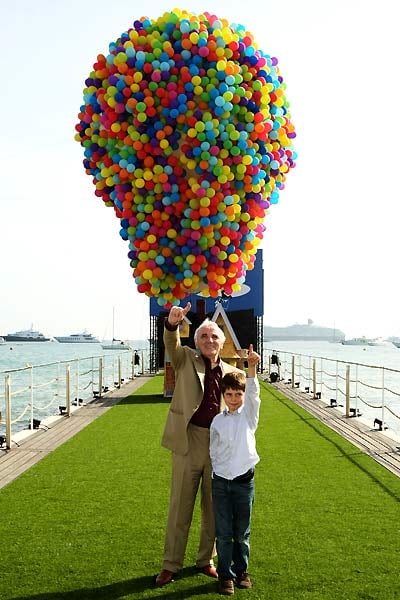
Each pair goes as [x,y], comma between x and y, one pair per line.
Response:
[251,295]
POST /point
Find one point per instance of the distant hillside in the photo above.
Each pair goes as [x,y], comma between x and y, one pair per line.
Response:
[307,332]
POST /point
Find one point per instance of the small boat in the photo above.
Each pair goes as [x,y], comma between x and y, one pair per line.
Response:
[362,341]
[380,342]
[77,338]
[2,340]
[115,344]
[27,335]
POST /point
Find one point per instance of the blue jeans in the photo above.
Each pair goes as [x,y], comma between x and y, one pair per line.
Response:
[232,502]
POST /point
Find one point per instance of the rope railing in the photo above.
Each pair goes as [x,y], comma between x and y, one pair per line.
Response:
[20,391]
[380,396]
[20,416]
[370,386]
[392,392]
[392,412]
[49,389]
[89,383]
[42,408]
[368,403]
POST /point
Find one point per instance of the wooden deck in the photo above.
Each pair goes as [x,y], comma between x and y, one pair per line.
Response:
[373,442]
[41,442]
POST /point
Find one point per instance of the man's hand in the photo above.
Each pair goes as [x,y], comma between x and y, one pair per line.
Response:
[176,314]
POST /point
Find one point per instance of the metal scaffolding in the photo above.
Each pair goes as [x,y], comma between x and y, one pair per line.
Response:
[260,341]
[153,340]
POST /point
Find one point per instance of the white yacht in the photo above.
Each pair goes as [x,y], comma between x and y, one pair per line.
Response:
[380,341]
[77,338]
[27,335]
[359,341]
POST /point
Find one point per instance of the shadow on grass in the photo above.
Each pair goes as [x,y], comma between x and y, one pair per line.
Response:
[142,587]
[311,419]
[145,399]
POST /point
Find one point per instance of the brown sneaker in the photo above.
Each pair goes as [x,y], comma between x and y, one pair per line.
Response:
[243,581]
[226,587]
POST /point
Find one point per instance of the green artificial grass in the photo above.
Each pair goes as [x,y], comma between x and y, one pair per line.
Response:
[88,521]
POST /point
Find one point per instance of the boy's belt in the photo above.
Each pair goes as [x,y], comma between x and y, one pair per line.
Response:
[248,476]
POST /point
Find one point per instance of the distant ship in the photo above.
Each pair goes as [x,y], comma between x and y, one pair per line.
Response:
[307,332]
[380,342]
[77,338]
[28,335]
[360,341]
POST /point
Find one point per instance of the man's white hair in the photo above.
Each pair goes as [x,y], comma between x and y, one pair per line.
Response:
[208,323]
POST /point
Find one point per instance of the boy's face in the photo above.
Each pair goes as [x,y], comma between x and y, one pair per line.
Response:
[233,399]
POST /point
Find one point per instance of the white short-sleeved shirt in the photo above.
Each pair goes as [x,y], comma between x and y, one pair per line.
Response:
[232,436]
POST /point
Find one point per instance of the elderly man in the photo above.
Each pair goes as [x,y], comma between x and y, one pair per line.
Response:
[196,400]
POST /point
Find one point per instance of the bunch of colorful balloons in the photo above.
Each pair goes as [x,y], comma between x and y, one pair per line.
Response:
[187,134]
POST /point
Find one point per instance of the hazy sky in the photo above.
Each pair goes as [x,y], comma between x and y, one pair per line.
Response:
[330,249]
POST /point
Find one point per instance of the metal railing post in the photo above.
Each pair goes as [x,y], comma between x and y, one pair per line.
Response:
[8,410]
[31,386]
[119,372]
[77,381]
[314,376]
[337,382]
[347,390]
[100,377]
[321,376]
[300,367]
[383,398]
[68,389]
[92,376]
[58,380]
[356,389]
[293,371]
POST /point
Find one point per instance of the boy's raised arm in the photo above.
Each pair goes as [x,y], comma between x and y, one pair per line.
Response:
[252,360]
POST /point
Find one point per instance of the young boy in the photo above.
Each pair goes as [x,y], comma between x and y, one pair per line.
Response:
[233,457]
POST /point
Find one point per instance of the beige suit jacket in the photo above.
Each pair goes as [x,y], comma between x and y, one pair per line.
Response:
[190,371]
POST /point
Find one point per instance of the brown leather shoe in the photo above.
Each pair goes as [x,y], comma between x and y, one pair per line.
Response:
[243,581]
[209,570]
[164,577]
[226,587]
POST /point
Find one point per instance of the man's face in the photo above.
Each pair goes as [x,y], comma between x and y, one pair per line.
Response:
[210,341]
[233,399]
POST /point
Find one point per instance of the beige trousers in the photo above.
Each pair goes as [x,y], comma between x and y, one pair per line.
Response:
[188,472]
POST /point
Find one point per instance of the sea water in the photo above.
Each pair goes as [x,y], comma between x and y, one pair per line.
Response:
[48,376]
[16,355]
